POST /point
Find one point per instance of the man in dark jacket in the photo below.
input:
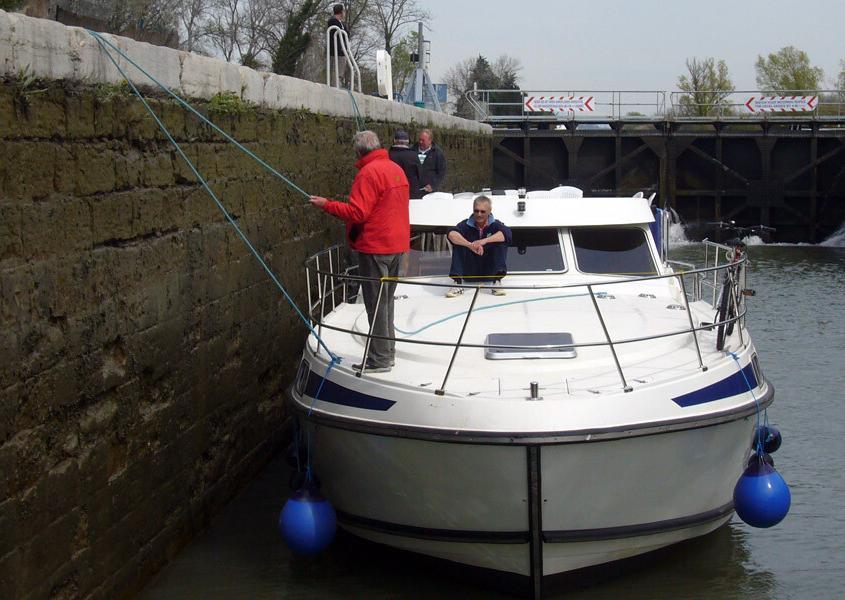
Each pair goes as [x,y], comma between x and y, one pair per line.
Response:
[479,249]
[402,155]
[432,162]
[379,230]
[336,20]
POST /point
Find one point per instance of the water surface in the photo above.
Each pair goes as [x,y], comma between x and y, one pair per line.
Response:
[797,320]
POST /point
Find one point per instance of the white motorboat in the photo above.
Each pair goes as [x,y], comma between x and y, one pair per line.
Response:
[602,409]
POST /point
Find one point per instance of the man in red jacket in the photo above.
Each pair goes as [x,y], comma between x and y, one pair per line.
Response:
[379,230]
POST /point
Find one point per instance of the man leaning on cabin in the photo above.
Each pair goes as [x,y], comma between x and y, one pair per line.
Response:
[432,163]
[479,249]
[378,228]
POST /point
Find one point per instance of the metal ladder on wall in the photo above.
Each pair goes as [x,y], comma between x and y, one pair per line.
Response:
[338,38]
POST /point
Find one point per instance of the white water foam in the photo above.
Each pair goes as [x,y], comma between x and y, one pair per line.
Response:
[677,235]
[753,240]
[837,239]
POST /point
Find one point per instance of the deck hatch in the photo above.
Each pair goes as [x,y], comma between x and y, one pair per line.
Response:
[531,345]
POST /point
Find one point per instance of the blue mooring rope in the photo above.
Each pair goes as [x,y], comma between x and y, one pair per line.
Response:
[479,309]
[758,432]
[101,41]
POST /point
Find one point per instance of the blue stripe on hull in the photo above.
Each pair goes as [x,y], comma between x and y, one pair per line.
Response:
[337,394]
[730,386]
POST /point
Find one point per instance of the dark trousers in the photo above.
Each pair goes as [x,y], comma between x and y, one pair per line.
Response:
[376,266]
[490,266]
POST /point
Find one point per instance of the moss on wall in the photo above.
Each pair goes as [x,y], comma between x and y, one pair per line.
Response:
[143,351]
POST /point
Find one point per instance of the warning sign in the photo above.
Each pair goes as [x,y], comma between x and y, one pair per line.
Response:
[559,104]
[759,104]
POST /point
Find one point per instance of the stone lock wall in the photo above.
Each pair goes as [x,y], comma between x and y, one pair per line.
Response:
[143,351]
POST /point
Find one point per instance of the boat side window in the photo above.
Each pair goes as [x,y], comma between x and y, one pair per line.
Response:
[612,250]
[535,249]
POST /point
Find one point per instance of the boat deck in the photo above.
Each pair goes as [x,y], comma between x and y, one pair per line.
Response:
[424,317]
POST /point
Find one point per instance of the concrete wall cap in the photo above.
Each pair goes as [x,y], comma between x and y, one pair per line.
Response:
[50,50]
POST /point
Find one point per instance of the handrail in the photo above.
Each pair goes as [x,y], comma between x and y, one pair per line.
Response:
[344,277]
[337,37]
[508,105]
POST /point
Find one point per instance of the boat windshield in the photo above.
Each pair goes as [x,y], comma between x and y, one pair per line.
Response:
[533,249]
[612,250]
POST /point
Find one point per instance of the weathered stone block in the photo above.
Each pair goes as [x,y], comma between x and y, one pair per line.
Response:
[58,227]
[11,565]
[29,171]
[79,113]
[64,170]
[15,302]
[9,403]
[47,551]
[40,345]
[48,391]
[22,461]
[43,113]
[128,167]
[55,494]
[158,170]
[99,417]
[112,217]
[157,211]
[95,166]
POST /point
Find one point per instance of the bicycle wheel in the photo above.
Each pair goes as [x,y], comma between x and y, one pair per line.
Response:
[725,312]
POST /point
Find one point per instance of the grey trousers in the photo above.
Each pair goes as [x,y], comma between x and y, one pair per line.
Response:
[376,266]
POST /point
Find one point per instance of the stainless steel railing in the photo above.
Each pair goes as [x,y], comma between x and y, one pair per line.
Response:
[330,279]
[509,105]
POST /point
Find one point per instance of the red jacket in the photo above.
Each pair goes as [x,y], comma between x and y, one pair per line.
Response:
[376,215]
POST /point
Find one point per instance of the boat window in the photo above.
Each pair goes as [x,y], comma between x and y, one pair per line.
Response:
[532,250]
[620,251]
[535,249]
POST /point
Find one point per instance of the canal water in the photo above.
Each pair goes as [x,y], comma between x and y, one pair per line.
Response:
[797,320]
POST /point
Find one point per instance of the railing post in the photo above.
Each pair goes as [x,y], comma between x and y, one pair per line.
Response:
[331,279]
[625,386]
[308,286]
[442,389]
[372,326]
[691,324]
[319,280]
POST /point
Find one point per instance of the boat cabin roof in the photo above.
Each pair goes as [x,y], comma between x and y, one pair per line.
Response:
[560,207]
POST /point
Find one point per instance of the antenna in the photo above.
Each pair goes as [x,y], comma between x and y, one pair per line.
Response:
[420,90]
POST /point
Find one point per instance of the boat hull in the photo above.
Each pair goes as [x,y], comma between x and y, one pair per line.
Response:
[530,509]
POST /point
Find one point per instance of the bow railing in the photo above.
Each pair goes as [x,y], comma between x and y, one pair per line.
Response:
[331,280]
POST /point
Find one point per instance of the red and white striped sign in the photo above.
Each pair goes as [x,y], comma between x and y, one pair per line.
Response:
[758,104]
[558,104]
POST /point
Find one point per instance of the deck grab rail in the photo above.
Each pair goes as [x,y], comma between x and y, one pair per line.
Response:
[329,282]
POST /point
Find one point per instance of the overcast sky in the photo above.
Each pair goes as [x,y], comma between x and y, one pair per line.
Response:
[632,44]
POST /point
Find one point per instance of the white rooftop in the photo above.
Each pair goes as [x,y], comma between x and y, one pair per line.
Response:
[560,207]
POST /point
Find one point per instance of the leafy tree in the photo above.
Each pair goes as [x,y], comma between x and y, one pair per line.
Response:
[707,85]
[251,60]
[388,18]
[477,72]
[787,70]
[297,37]
[192,15]
[840,81]
[400,60]
[10,4]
